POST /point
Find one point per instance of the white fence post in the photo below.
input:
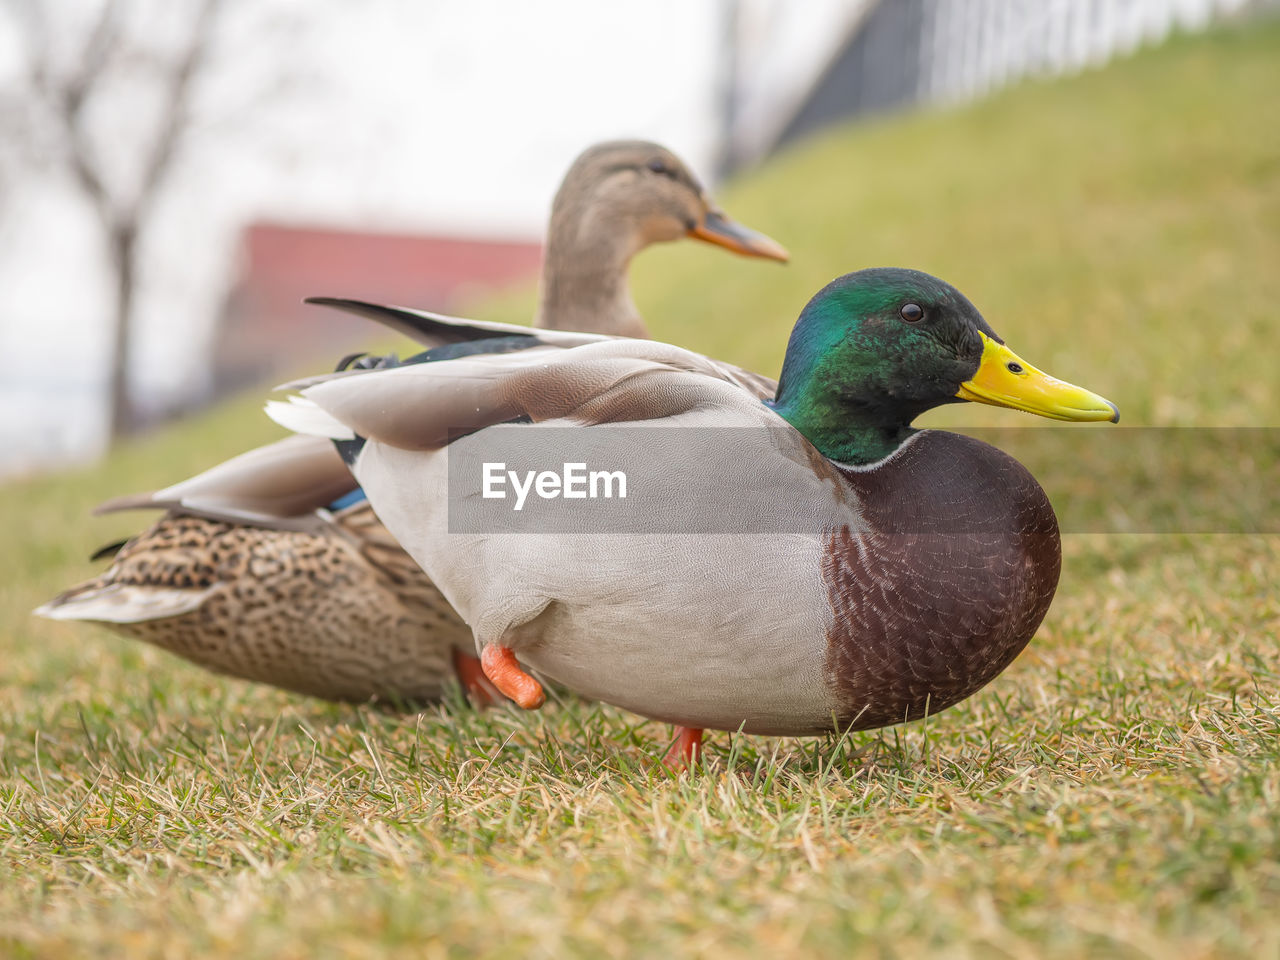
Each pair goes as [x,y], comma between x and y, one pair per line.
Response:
[968,47]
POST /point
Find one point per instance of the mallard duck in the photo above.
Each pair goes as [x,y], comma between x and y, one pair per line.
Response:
[272,567]
[852,571]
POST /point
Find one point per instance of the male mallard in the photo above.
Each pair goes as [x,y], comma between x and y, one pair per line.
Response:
[855,572]
[272,567]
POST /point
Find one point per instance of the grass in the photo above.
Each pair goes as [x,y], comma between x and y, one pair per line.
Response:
[1115,793]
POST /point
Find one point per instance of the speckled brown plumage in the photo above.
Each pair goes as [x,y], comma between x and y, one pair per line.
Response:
[342,614]
[955,570]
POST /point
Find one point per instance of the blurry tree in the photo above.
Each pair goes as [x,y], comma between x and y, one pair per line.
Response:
[65,79]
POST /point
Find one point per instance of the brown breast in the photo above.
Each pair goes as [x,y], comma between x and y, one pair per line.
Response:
[950,578]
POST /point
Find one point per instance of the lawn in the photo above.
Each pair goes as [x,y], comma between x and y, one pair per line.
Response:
[1115,793]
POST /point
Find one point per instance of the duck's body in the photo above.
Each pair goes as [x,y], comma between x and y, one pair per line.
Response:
[270,567]
[249,574]
[817,593]
[212,592]
[850,627]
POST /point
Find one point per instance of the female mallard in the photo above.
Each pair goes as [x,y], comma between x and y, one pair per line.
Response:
[853,572]
[272,567]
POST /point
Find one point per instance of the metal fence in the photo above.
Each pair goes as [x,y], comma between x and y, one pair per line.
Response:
[901,53]
[972,46]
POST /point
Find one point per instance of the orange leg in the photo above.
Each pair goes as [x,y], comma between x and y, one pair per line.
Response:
[475,684]
[500,666]
[686,750]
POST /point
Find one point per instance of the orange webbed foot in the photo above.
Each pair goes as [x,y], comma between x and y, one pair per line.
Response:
[500,666]
[687,749]
[479,690]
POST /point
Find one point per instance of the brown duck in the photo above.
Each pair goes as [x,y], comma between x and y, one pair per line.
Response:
[271,567]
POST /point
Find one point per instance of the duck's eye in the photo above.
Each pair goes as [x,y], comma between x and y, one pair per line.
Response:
[1014,367]
[912,312]
[659,167]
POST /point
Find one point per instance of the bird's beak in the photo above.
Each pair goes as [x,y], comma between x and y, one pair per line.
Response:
[716,228]
[1006,380]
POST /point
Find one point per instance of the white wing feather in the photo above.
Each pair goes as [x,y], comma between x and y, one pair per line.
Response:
[302,416]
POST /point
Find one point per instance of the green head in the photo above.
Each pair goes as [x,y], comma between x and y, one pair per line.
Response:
[875,349]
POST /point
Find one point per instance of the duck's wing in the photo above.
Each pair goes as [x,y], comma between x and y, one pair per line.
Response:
[763,388]
[426,406]
[280,485]
[449,338]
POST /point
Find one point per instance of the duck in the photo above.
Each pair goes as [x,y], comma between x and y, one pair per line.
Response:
[618,198]
[790,562]
[272,567]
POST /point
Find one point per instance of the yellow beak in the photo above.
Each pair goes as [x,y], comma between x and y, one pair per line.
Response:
[718,229]
[1006,380]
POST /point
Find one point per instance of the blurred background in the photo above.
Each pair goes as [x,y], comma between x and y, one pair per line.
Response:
[175,175]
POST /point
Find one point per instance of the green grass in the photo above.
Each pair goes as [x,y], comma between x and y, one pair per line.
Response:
[1115,793]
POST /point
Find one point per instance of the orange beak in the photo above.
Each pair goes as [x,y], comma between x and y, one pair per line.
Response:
[718,229]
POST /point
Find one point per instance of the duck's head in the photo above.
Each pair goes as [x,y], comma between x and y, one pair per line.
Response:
[875,349]
[638,193]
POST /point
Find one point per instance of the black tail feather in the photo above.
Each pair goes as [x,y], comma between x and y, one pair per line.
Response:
[431,330]
[109,550]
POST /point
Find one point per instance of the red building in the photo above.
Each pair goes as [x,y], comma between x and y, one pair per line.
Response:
[267,330]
